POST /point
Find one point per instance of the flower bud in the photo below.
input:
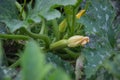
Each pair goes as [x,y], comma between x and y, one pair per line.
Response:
[63,25]
[77,40]
[80,14]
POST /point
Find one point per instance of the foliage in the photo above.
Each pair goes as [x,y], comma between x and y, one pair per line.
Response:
[101,45]
[35,67]
[99,27]
[45,40]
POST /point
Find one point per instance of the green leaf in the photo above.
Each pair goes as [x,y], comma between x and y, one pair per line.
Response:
[98,17]
[58,62]
[8,10]
[34,66]
[46,9]
[96,52]
[14,24]
[8,14]
[113,68]
[98,21]
[33,63]
[62,75]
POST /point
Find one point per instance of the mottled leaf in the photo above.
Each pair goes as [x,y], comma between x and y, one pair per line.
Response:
[58,62]
[98,21]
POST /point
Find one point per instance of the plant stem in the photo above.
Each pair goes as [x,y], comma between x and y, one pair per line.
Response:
[23,8]
[71,53]
[78,4]
[55,29]
[64,56]
[68,19]
[87,5]
[39,36]
[59,44]
[15,64]
[73,23]
[43,27]
[10,36]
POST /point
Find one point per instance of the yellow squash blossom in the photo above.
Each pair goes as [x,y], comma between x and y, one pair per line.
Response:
[77,40]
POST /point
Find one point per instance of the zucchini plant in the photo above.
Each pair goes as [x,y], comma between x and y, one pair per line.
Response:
[59,39]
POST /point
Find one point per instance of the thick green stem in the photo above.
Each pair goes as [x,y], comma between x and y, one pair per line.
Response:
[69,20]
[23,8]
[55,29]
[17,37]
[71,53]
[87,5]
[59,44]
[78,3]
[73,23]
[64,56]
[37,36]
[43,27]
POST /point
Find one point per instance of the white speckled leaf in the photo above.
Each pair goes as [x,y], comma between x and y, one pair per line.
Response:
[96,52]
[58,62]
[97,21]
[98,16]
